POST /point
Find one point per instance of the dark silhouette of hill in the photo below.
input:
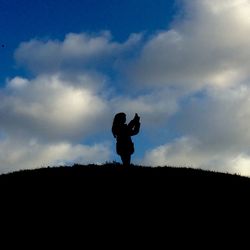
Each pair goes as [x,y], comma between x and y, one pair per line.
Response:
[117,170]
[113,187]
[114,175]
[129,200]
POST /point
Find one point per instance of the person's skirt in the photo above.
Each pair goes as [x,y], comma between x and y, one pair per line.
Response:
[125,148]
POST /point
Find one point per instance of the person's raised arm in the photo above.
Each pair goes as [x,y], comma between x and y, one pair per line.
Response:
[134,125]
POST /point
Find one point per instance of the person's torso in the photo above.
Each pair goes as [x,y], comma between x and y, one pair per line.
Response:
[123,134]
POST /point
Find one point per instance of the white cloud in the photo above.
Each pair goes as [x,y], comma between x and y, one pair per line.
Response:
[219,118]
[176,153]
[77,52]
[155,107]
[240,165]
[206,52]
[17,83]
[46,120]
[215,133]
[201,65]
[51,109]
[16,155]
[189,152]
[210,46]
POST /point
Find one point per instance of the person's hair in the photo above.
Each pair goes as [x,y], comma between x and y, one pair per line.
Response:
[119,119]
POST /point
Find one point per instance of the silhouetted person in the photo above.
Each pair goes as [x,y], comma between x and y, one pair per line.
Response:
[123,132]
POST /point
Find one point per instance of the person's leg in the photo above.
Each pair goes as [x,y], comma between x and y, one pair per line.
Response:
[126,160]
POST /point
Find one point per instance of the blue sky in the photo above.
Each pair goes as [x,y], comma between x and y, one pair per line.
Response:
[68,66]
[23,20]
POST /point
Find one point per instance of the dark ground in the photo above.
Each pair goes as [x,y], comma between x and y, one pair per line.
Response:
[114,178]
[125,207]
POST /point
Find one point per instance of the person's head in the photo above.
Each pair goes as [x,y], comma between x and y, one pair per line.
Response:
[119,119]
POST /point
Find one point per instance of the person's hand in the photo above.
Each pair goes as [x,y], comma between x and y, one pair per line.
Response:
[137,118]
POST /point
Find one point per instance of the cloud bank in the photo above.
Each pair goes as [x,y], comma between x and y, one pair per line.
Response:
[210,46]
[45,120]
[206,53]
[190,81]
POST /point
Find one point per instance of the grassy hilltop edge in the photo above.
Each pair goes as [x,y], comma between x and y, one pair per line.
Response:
[135,173]
[112,188]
